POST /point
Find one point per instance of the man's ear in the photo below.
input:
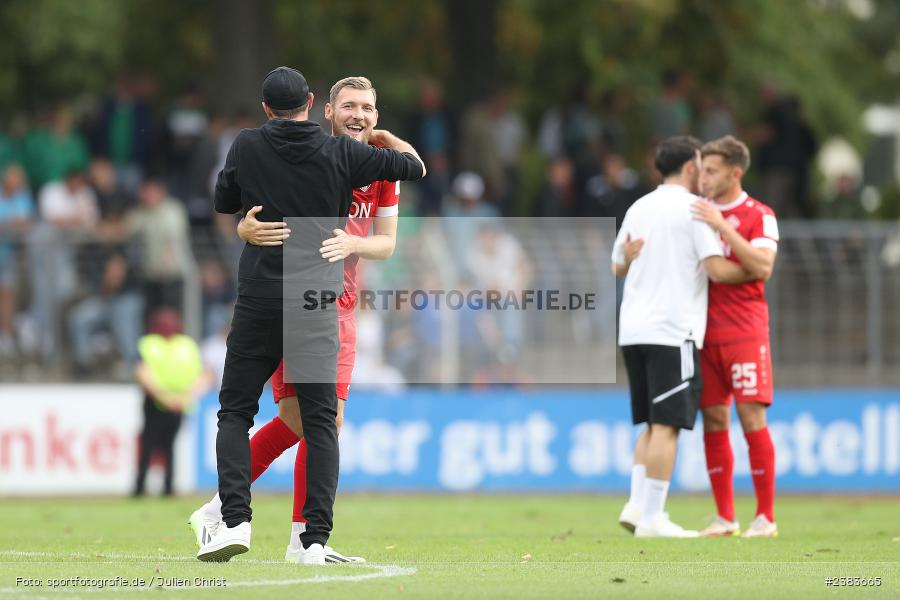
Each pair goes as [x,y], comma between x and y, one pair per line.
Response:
[309,105]
[266,110]
[329,111]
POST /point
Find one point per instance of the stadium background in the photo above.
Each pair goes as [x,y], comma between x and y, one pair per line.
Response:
[556,107]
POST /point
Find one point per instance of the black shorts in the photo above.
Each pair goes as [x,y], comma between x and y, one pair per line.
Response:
[665,383]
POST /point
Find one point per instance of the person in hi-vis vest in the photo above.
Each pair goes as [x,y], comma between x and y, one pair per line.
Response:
[171,374]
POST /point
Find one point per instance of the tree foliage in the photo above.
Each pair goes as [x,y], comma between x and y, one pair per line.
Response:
[55,50]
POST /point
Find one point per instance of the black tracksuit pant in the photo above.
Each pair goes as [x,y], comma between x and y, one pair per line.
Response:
[255,346]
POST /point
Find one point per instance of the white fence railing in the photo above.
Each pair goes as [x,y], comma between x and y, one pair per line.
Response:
[834,299]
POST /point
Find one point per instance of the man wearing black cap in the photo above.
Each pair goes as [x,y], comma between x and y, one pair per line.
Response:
[292,168]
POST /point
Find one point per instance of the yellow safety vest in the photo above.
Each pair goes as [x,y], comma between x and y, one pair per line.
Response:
[174,362]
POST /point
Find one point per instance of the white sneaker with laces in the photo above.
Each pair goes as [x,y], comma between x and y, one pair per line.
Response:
[314,555]
[721,528]
[203,526]
[663,527]
[332,556]
[761,527]
[629,517]
[227,542]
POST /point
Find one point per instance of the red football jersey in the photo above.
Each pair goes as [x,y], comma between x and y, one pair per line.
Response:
[739,312]
[379,199]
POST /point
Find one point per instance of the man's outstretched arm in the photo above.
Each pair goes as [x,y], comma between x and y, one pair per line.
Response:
[722,270]
[758,262]
[262,233]
[378,246]
[383,137]
[632,248]
[398,160]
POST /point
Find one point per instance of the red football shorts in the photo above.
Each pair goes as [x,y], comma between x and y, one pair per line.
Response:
[346,358]
[742,370]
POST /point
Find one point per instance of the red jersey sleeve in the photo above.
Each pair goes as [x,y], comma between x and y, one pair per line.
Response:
[388,199]
[764,231]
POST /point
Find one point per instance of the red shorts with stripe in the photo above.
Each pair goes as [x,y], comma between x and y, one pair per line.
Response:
[346,358]
[742,370]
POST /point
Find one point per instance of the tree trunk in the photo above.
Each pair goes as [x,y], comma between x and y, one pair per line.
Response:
[473,38]
[243,34]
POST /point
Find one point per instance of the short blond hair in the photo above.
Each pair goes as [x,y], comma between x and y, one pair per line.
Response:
[357,83]
[732,150]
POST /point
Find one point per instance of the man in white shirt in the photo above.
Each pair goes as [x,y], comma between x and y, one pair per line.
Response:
[69,204]
[666,257]
[67,210]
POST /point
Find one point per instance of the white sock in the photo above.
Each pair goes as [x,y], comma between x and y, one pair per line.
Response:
[213,508]
[296,530]
[638,476]
[655,491]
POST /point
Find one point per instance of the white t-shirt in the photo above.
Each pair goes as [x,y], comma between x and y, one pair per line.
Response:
[497,265]
[56,202]
[665,297]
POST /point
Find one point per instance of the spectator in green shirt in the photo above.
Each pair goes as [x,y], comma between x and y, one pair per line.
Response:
[49,153]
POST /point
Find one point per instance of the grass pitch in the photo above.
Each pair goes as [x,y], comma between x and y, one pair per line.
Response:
[451,547]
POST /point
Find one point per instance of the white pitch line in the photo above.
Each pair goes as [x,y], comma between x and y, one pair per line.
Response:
[383,571]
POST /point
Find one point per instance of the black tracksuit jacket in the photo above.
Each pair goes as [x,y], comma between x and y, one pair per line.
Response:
[292,169]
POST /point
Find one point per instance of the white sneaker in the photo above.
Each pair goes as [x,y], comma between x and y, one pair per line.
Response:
[629,517]
[203,526]
[292,554]
[662,527]
[228,542]
[761,527]
[332,556]
[721,528]
[314,555]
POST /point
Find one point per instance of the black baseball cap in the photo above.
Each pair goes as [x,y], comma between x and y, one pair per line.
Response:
[285,88]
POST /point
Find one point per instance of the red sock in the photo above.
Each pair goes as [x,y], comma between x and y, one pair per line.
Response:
[762,467]
[269,443]
[300,483]
[720,466]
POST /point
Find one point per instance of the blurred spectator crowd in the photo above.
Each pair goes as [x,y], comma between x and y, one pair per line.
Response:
[105,216]
[106,211]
